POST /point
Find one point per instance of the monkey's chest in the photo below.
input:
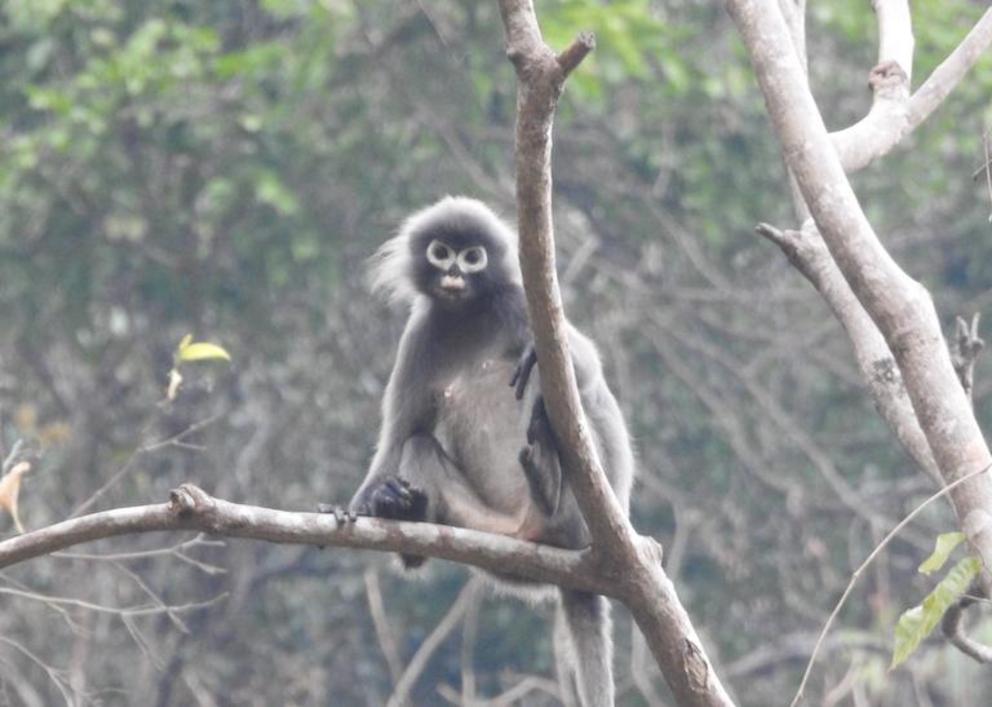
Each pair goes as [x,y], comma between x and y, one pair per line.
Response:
[481,425]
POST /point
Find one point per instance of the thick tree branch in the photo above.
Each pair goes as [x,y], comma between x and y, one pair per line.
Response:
[900,307]
[632,563]
[541,78]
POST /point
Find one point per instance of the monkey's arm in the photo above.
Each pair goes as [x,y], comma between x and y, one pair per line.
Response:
[406,408]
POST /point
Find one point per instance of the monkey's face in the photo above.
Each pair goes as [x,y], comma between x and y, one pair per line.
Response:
[455,271]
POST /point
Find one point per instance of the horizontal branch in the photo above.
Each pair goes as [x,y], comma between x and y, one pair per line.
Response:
[191,508]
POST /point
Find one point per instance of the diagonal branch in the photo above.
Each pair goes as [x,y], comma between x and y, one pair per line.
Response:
[901,307]
[632,562]
[808,253]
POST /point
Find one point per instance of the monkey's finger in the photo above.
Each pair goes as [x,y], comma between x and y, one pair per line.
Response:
[399,488]
[538,421]
[516,377]
[521,376]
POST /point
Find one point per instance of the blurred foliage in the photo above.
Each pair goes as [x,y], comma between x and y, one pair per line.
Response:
[224,169]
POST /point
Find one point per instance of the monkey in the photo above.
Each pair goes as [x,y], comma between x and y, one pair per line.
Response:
[465,439]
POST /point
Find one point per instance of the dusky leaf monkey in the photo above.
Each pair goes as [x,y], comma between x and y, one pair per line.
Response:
[465,440]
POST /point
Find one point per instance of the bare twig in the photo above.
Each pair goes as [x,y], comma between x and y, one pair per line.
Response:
[176,551]
[419,661]
[383,631]
[55,675]
[128,465]
[122,611]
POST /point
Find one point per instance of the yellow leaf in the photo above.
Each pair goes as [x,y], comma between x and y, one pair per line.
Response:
[201,351]
[10,487]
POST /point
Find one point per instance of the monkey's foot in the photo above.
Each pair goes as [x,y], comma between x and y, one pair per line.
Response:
[396,499]
[341,515]
[528,359]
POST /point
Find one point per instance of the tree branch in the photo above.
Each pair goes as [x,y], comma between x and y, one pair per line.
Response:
[632,563]
[191,508]
[953,630]
[808,253]
[894,113]
[900,307]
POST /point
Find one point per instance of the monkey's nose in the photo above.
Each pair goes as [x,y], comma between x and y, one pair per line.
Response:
[453,283]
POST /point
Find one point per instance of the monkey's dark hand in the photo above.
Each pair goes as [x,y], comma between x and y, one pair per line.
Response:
[521,376]
[396,499]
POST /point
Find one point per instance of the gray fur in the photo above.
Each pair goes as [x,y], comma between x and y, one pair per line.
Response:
[452,428]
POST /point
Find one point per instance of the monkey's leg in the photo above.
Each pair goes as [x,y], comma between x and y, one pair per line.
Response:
[590,628]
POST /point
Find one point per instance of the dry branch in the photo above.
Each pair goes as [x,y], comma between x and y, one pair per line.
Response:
[900,307]
[894,112]
[808,253]
[632,563]
[897,305]
[191,508]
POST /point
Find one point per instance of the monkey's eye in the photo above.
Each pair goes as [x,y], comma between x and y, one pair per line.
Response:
[472,259]
[439,255]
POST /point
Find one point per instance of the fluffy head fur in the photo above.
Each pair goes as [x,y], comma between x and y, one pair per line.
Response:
[395,269]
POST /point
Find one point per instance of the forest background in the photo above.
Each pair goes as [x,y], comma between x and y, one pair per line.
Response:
[225,168]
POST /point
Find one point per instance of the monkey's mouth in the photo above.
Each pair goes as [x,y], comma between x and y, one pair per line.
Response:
[452,287]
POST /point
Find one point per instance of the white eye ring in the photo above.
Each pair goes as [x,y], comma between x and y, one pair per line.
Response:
[440,255]
[481,259]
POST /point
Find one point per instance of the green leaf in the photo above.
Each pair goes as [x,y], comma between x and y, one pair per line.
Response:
[920,621]
[946,542]
[201,351]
